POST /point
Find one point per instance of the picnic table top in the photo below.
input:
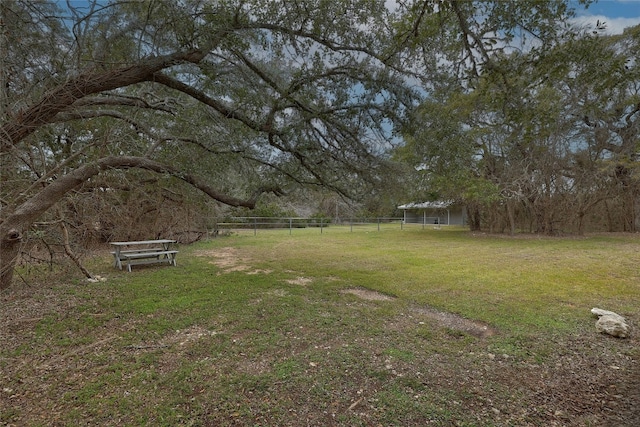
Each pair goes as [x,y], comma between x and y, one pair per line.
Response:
[142,242]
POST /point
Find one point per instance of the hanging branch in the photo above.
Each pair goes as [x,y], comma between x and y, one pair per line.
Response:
[67,248]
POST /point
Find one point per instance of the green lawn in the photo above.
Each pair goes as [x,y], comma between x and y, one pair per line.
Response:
[264,330]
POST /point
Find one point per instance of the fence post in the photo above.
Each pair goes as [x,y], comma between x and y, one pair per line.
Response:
[255,226]
[321,221]
[378,224]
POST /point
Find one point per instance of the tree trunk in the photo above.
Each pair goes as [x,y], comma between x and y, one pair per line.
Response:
[636,208]
[10,240]
[630,210]
[610,221]
[511,217]
[474,218]
[581,215]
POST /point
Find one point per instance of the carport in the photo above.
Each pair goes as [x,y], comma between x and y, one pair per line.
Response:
[437,212]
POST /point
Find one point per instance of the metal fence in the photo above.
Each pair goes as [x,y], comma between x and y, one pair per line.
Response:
[255,224]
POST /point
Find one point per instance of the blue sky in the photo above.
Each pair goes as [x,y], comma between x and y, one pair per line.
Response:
[618,14]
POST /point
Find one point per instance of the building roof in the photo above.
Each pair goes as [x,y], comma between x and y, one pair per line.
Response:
[439,204]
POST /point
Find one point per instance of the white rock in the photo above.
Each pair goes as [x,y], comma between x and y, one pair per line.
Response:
[611,323]
[600,312]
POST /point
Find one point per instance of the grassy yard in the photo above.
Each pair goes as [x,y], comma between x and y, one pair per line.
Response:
[394,327]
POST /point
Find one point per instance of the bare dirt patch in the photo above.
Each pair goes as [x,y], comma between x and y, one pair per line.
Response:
[229,260]
[456,322]
[300,281]
[368,294]
[185,336]
[444,319]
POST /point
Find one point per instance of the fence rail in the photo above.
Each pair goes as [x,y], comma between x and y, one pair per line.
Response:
[254,224]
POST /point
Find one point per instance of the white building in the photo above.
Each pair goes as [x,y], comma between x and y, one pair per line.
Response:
[439,212]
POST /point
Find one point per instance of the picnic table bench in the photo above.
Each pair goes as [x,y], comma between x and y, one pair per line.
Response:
[144,252]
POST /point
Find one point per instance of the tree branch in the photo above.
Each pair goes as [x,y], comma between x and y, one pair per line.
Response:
[92,114]
[30,210]
[123,101]
[24,123]
[466,32]
[207,100]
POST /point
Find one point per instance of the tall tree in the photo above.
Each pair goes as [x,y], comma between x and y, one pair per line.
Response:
[604,89]
[287,91]
[553,133]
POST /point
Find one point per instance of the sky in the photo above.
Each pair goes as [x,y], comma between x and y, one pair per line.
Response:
[618,14]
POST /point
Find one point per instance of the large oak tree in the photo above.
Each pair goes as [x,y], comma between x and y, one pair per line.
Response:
[292,91]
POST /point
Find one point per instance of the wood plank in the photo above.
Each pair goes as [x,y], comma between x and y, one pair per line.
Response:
[159,257]
[142,242]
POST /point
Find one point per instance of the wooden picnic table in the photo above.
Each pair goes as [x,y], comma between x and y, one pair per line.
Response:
[144,252]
